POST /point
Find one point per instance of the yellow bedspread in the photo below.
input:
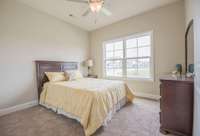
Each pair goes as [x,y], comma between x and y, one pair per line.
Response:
[88,99]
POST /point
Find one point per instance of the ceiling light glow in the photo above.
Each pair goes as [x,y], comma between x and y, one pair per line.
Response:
[96,5]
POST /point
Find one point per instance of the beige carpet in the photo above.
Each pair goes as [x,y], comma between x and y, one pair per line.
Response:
[138,119]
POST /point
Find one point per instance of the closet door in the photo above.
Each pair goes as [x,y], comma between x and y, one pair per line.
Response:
[196,6]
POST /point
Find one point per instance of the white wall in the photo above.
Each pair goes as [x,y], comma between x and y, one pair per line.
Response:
[27,35]
[189,10]
[167,23]
[193,12]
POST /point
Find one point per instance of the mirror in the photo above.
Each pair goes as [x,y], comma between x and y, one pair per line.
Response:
[189,46]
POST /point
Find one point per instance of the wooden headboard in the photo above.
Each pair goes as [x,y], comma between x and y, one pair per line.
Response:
[51,66]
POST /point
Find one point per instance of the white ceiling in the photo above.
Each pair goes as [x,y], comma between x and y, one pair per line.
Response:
[120,9]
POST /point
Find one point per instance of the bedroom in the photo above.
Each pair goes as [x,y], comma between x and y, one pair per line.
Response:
[64,31]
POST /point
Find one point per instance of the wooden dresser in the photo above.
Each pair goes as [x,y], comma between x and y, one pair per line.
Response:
[176,105]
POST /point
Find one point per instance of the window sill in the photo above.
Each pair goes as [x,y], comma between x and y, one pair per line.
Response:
[130,79]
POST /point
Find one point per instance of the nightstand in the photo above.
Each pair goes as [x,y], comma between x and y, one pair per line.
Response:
[92,76]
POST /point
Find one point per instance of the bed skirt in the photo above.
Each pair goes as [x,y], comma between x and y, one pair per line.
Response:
[116,108]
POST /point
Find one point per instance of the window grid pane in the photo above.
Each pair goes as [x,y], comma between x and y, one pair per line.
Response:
[138,67]
[131,52]
[114,68]
[144,67]
[144,51]
[144,40]
[114,50]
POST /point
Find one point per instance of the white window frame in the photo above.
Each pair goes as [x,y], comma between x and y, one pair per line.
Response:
[124,65]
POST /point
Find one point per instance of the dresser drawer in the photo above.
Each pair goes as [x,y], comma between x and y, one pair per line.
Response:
[176,105]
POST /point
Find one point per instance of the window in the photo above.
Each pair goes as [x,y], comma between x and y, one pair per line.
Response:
[129,57]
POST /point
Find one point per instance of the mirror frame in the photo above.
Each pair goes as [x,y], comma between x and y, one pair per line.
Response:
[186,44]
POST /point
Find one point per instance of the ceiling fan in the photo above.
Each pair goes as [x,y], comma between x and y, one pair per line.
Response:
[95,6]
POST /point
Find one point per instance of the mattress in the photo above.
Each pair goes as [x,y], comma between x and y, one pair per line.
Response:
[90,101]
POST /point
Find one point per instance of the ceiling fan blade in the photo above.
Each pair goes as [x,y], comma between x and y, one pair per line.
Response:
[86,12]
[79,1]
[106,11]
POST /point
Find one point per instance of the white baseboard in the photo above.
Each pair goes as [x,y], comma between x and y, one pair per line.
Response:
[18,107]
[147,95]
[33,103]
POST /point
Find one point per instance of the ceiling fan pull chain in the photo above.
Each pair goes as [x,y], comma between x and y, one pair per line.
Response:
[95,20]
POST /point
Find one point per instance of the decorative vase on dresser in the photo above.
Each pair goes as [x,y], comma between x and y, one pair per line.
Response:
[176,105]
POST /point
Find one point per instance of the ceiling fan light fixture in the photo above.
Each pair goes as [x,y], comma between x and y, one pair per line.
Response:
[96,5]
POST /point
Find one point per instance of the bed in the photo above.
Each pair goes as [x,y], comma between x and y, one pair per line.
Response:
[92,102]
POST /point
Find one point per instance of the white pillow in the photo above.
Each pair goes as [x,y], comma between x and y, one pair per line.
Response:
[73,74]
